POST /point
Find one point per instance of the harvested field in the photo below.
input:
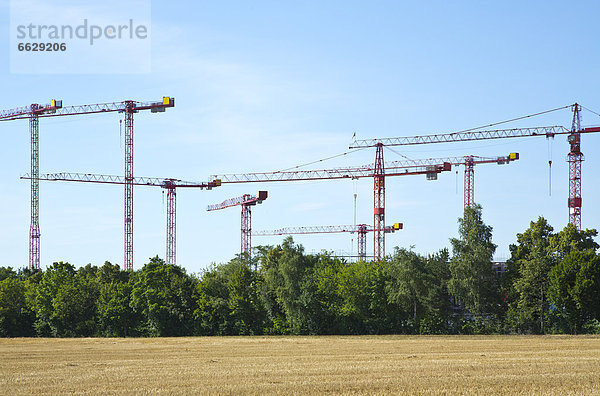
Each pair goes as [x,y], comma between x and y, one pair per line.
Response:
[303,365]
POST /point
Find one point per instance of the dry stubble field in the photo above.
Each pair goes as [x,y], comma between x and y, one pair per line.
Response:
[302,365]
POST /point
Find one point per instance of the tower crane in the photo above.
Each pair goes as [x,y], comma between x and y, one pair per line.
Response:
[376,171]
[35,111]
[360,229]
[168,184]
[574,158]
[469,162]
[246,201]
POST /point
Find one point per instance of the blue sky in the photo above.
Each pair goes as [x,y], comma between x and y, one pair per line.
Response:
[265,86]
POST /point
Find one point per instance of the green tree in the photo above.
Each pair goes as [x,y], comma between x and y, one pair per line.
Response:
[329,315]
[572,239]
[420,286]
[163,295]
[574,282]
[355,283]
[111,273]
[7,272]
[526,278]
[212,296]
[285,273]
[244,304]
[228,300]
[43,294]
[574,287]
[115,315]
[409,282]
[64,301]
[16,318]
[472,280]
[438,308]
[385,316]
[74,308]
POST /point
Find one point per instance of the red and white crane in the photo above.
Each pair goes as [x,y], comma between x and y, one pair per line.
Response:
[168,184]
[34,112]
[246,201]
[360,229]
[376,171]
[574,158]
[469,162]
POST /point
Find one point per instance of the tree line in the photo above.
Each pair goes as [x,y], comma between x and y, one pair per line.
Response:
[551,285]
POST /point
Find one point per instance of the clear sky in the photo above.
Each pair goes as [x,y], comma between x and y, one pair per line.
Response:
[267,85]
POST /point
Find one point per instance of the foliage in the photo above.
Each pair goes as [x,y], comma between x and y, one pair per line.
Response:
[163,295]
[419,285]
[46,299]
[574,287]
[115,316]
[527,271]
[286,277]
[228,300]
[16,318]
[552,280]
[472,280]
[551,285]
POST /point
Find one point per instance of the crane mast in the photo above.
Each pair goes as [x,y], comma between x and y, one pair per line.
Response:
[379,205]
[171,251]
[33,112]
[128,196]
[574,159]
[246,201]
[34,225]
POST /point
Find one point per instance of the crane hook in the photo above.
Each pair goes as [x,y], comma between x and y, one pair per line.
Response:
[550,178]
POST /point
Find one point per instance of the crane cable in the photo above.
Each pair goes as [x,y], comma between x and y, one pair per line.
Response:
[515,119]
[395,152]
[549,167]
[321,160]
[591,111]
[464,130]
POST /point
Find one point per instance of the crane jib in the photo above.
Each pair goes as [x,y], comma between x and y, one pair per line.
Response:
[546,131]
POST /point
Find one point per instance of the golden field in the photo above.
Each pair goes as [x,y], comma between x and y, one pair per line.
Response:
[302,365]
